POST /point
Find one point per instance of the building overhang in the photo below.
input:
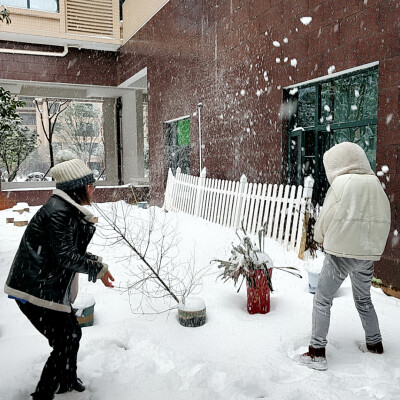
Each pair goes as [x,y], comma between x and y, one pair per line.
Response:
[73,40]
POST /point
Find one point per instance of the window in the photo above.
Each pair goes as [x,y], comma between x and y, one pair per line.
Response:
[87,129]
[78,128]
[28,118]
[328,112]
[178,145]
[41,5]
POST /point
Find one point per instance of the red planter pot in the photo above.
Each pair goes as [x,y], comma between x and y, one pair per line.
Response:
[258,293]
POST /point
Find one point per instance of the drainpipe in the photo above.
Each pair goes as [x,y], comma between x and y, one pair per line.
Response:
[40,53]
[199,106]
[118,109]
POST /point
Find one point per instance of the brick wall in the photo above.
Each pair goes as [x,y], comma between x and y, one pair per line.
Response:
[218,52]
[86,67]
[9,198]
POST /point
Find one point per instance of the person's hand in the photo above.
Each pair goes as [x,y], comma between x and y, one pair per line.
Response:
[107,278]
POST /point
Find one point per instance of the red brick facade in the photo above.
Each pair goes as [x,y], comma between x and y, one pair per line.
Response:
[83,67]
[214,50]
[220,53]
[10,198]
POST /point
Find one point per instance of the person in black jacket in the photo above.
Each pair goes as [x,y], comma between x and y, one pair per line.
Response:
[43,276]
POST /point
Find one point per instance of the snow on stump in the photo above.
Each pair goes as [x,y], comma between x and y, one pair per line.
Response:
[192,312]
[84,309]
[21,220]
[258,292]
[21,207]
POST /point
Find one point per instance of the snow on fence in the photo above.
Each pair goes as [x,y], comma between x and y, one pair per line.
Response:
[280,209]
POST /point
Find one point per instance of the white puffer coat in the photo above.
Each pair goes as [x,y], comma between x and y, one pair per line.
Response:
[355,218]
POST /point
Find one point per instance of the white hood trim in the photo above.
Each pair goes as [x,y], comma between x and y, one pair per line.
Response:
[64,196]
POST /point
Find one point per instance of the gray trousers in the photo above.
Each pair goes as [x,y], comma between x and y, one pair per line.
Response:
[334,271]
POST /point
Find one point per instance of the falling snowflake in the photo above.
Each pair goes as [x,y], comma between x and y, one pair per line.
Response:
[385,169]
[276,43]
[242,92]
[285,40]
[327,108]
[331,69]
[354,107]
[293,62]
[278,60]
[306,20]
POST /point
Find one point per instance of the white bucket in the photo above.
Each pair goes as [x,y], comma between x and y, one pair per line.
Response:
[312,282]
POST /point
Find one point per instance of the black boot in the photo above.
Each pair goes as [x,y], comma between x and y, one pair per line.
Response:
[41,396]
[375,348]
[69,387]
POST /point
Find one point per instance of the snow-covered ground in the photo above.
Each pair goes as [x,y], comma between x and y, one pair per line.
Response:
[233,356]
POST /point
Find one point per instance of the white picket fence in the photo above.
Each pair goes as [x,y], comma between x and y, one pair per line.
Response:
[280,209]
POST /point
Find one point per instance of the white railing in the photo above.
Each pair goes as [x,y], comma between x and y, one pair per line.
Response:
[280,209]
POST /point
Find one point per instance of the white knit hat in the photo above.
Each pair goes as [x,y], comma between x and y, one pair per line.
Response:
[71,173]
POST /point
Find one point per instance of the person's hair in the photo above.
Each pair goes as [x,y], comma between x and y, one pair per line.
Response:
[80,195]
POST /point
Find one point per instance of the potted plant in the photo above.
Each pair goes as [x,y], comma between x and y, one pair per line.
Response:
[253,265]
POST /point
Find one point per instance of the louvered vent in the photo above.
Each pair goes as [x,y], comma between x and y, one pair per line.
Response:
[90,17]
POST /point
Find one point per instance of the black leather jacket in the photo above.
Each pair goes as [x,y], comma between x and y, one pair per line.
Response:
[52,250]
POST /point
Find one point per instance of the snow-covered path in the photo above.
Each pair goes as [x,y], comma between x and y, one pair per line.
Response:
[233,356]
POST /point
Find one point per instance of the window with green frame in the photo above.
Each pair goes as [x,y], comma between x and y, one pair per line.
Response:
[328,112]
[178,145]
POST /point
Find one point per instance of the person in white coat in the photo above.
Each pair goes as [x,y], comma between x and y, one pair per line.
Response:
[353,227]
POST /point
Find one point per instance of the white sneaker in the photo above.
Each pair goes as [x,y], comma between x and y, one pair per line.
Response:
[314,358]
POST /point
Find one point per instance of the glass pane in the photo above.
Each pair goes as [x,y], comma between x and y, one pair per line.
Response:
[309,145]
[28,101]
[28,118]
[170,132]
[305,107]
[327,102]
[350,99]
[294,160]
[368,96]
[15,3]
[364,136]
[44,5]
[178,145]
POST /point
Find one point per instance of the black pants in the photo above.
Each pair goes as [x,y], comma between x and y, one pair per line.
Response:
[63,332]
